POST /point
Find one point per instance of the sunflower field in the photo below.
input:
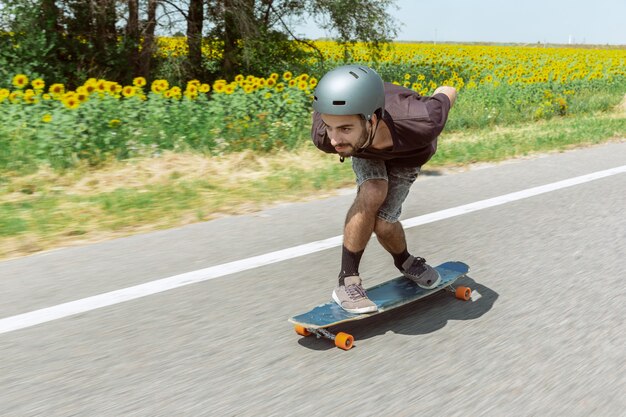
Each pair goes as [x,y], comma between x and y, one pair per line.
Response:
[45,122]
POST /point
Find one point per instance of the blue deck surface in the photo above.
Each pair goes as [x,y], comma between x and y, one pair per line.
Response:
[389,294]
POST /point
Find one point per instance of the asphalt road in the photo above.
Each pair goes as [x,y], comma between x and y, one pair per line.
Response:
[546,337]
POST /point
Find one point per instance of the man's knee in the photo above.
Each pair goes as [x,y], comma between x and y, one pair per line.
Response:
[372,194]
[383,228]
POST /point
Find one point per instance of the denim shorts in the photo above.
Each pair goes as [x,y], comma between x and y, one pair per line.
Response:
[399,181]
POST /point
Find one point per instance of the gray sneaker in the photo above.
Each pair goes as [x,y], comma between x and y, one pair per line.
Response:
[421,273]
[352,297]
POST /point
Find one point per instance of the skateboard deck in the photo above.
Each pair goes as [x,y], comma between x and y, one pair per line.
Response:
[387,296]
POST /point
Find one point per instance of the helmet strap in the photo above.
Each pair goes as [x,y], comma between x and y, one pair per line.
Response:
[370,140]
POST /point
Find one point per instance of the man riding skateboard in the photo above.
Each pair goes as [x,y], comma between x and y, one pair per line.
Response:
[390,132]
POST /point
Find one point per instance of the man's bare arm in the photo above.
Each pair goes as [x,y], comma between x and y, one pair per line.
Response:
[448,91]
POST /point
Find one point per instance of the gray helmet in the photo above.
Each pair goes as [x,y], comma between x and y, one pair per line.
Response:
[350,89]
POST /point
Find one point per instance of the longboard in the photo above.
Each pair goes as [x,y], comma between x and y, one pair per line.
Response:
[387,296]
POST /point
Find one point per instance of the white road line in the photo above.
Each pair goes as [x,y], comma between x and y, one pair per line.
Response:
[44,315]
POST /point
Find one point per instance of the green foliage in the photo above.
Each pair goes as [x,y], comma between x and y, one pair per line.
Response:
[490,105]
[273,51]
[356,20]
[263,121]
[107,127]
[24,50]
[34,42]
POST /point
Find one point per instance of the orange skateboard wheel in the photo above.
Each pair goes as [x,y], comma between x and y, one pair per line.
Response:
[463,293]
[344,341]
[302,331]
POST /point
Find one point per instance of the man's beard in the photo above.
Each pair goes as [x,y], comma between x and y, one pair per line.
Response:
[351,150]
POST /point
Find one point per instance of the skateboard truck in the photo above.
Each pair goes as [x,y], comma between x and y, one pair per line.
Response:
[462,293]
[342,340]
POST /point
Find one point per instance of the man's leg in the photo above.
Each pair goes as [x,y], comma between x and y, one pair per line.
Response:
[390,233]
[391,236]
[360,222]
[388,229]
[359,225]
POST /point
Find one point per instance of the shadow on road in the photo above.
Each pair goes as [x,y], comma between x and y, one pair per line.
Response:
[419,317]
[431,173]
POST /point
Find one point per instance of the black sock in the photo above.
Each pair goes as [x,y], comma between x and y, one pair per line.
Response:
[400,258]
[349,264]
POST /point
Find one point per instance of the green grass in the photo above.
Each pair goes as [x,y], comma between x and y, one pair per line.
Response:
[520,140]
[48,209]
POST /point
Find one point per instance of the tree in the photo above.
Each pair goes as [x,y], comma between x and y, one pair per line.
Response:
[258,33]
[195,23]
[69,40]
[23,48]
[148,45]
[355,20]
[132,36]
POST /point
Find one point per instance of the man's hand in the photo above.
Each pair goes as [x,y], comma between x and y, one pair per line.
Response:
[448,91]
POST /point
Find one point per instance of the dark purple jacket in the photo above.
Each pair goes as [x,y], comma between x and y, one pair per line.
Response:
[415,123]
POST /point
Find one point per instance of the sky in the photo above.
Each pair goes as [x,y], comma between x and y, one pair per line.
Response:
[507,21]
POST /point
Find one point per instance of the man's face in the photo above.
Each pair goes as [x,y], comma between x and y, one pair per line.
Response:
[347,133]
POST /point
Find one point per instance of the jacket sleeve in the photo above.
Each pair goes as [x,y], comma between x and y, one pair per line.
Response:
[420,122]
[319,136]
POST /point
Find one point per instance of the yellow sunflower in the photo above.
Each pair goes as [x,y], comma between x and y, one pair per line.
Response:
[159,86]
[139,82]
[30,97]
[4,93]
[15,96]
[90,86]
[20,81]
[101,86]
[175,92]
[71,101]
[112,87]
[38,84]
[56,89]
[129,91]
[82,94]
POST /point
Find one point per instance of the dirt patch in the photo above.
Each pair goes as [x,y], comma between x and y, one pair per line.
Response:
[168,168]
